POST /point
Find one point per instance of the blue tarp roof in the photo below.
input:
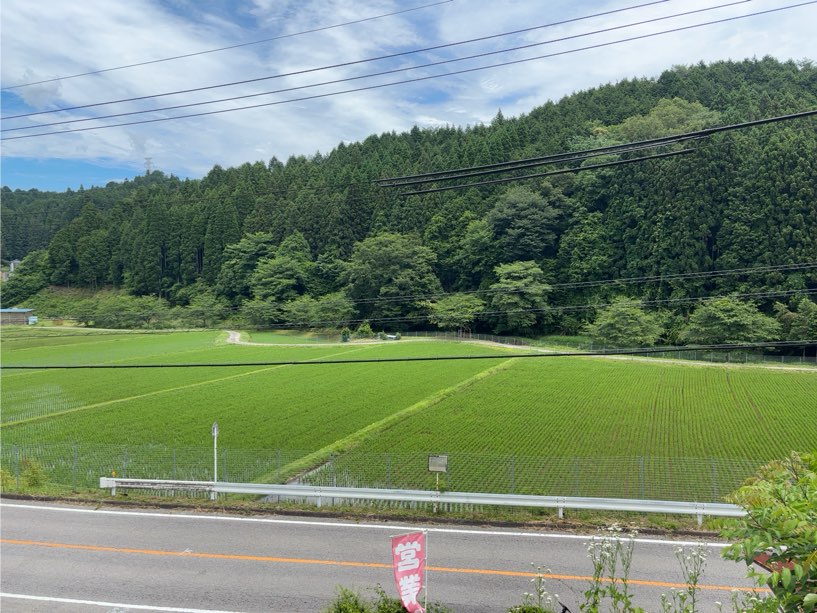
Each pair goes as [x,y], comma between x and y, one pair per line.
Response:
[16,310]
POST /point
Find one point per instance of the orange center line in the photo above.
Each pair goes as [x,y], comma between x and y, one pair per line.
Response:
[284,560]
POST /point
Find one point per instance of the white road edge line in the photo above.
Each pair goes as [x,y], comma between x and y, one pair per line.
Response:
[115,605]
[391,527]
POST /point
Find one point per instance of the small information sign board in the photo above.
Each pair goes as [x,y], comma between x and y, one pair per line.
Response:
[438,463]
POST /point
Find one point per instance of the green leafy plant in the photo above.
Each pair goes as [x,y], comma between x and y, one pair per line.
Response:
[33,473]
[612,556]
[693,562]
[6,480]
[540,600]
[364,330]
[348,601]
[780,526]
[753,602]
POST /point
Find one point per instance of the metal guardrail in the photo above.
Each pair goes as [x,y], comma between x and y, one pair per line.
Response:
[321,493]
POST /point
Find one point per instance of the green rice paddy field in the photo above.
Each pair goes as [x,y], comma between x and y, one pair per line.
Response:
[553,425]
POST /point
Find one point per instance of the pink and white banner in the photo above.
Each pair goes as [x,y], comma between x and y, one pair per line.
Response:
[409,562]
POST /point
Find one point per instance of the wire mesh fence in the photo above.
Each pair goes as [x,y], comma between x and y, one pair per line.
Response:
[79,466]
[469,336]
[697,355]
[658,478]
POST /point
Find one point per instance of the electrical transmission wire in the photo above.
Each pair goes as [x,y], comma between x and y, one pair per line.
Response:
[256,42]
[500,167]
[556,309]
[574,156]
[724,272]
[441,175]
[363,61]
[550,173]
[797,266]
[494,312]
[442,358]
[413,80]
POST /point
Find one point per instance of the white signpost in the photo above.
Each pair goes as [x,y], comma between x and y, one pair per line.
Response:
[437,464]
[215,458]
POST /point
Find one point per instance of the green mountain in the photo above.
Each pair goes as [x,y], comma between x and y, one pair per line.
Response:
[318,239]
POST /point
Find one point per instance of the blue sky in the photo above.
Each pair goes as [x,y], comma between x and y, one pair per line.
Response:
[44,40]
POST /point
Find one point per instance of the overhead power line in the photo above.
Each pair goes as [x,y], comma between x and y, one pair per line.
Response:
[500,167]
[413,80]
[551,173]
[579,155]
[724,272]
[556,158]
[256,42]
[703,274]
[442,358]
[559,309]
[354,63]
[494,312]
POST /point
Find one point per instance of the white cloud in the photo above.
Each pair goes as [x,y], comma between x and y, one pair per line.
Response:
[41,40]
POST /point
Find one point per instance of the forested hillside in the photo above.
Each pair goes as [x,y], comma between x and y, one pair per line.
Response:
[316,240]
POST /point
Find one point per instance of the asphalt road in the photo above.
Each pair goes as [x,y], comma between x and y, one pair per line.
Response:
[60,558]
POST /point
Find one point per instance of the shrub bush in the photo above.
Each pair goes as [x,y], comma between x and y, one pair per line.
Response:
[6,480]
[33,473]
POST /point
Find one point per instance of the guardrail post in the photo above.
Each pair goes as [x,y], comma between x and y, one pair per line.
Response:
[560,503]
[700,514]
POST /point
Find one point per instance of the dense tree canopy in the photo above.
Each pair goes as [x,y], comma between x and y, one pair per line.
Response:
[625,324]
[728,320]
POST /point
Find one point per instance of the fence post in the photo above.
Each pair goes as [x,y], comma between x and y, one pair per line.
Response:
[576,479]
[16,453]
[714,480]
[224,475]
[388,471]
[125,464]
[74,470]
[513,474]
[641,476]
[174,464]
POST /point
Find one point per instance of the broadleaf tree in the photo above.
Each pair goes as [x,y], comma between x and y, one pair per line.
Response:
[625,324]
[519,297]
